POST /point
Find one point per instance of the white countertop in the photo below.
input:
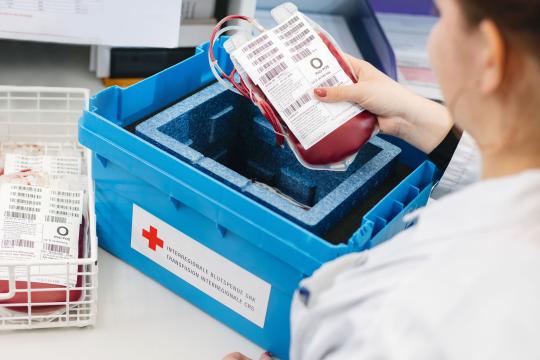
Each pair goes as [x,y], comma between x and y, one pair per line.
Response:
[137,317]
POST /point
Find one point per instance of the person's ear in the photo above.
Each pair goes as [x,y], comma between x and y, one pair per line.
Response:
[493,57]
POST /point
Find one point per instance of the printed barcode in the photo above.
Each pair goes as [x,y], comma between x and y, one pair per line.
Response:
[291,109]
[56,219]
[259,50]
[24,201]
[65,193]
[17,243]
[273,61]
[272,73]
[66,201]
[288,23]
[303,43]
[329,82]
[25,195]
[301,55]
[28,188]
[296,37]
[255,42]
[265,56]
[23,208]
[291,31]
[19,215]
[56,248]
[65,207]
[64,213]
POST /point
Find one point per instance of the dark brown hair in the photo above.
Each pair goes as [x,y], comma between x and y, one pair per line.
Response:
[518,19]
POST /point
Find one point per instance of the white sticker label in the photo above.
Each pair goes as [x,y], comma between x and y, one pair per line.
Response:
[36,224]
[53,165]
[287,63]
[201,267]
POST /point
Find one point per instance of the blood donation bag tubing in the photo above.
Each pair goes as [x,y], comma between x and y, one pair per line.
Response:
[278,70]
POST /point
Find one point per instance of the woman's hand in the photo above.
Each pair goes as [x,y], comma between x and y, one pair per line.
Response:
[401,113]
[239,356]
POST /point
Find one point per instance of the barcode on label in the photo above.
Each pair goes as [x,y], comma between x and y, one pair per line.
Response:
[23,208]
[260,49]
[26,195]
[255,42]
[329,82]
[272,73]
[273,61]
[19,215]
[56,219]
[291,31]
[301,55]
[297,37]
[25,201]
[265,56]
[295,106]
[17,243]
[288,23]
[56,248]
[63,213]
[67,201]
[28,188]
[303,43]
[65,193]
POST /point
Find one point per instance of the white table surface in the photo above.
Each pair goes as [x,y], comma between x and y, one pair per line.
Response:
[137,317]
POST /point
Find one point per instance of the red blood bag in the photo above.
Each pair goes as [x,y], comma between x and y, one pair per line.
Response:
[278,70]
[36,227]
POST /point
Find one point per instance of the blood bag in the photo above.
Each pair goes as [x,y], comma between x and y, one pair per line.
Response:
[42,218]
[278,70]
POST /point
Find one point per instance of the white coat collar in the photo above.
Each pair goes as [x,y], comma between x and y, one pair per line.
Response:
[486,204]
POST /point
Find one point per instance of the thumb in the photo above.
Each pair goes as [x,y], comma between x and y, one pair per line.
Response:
[341,93]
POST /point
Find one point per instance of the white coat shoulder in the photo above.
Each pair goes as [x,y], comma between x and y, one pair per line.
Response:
[463,283]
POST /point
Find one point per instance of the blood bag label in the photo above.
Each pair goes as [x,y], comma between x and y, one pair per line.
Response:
[37,224]
[287,63]
[206,270]
[53,165]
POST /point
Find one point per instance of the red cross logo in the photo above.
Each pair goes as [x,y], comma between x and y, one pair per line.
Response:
[152,237]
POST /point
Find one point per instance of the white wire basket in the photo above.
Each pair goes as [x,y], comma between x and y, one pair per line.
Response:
[49,117]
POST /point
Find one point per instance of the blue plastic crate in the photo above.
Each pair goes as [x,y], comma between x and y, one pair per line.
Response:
[226,136]
[206,214]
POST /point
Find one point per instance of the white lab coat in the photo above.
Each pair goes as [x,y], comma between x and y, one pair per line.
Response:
[464,283]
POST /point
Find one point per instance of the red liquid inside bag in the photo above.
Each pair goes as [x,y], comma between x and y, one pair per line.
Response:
[56,293]
[342,142]
[49,293]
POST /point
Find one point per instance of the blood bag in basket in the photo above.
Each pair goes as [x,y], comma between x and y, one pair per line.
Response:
[42,218]
[278,70]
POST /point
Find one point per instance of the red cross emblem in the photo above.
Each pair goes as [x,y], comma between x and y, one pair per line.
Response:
[152,237]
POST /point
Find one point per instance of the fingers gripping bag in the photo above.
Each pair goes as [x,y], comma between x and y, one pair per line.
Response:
[42,218]
[278,70]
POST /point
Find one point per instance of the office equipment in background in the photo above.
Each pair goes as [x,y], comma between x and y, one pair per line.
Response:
[408,35]
[124,66]
[105,22]
[407,24]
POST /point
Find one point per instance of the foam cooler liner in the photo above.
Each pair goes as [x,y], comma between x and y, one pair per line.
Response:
[173,182]
[227,137]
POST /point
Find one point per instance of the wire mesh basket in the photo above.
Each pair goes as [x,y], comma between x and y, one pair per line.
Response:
[49,117]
